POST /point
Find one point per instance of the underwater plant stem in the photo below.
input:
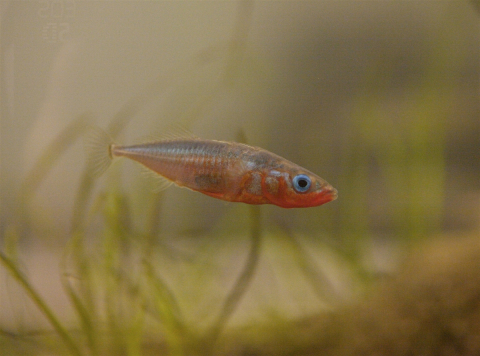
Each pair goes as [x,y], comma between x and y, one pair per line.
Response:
[51,155]
[81,300]
[319,281]
[243,281]
[61,331]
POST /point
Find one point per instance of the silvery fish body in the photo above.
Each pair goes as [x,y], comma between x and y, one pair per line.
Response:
[229,171]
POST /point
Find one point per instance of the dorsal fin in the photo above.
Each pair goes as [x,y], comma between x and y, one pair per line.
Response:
[172,132]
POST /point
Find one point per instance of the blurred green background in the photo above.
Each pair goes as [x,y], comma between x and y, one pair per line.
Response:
[379,98]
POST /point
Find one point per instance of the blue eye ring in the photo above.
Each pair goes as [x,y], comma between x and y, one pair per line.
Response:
[301,183]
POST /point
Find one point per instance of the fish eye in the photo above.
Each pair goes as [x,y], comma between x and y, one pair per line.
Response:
[301,183]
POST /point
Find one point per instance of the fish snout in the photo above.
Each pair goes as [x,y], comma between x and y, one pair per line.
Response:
[329,193]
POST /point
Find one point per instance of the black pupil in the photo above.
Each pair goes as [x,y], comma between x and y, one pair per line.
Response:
[302,183]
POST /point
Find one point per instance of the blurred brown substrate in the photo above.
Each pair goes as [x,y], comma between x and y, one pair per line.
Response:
[431,307]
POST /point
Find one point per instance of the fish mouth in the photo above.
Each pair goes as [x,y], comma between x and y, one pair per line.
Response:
[333,193]
[329,194]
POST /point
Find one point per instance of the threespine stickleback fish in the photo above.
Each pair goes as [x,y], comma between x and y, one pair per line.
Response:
[229,171]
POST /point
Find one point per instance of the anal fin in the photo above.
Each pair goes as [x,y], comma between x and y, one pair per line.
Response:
[160,183]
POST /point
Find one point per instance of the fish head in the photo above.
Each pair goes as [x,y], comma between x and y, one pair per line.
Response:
[297,188]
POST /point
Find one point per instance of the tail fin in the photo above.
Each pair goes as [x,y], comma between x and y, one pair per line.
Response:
[98,147]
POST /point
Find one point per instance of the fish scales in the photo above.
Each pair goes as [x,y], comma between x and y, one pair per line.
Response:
[226,170]
[196,164]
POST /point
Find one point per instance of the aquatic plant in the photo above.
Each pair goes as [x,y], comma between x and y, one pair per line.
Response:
[132,291]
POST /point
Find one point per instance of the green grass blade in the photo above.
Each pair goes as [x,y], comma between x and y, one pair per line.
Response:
[243,281]
[51,155]
[58,327]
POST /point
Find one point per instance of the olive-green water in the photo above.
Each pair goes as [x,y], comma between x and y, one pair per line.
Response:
[379,98]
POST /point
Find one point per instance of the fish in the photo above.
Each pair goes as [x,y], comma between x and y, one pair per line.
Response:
[229,171]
